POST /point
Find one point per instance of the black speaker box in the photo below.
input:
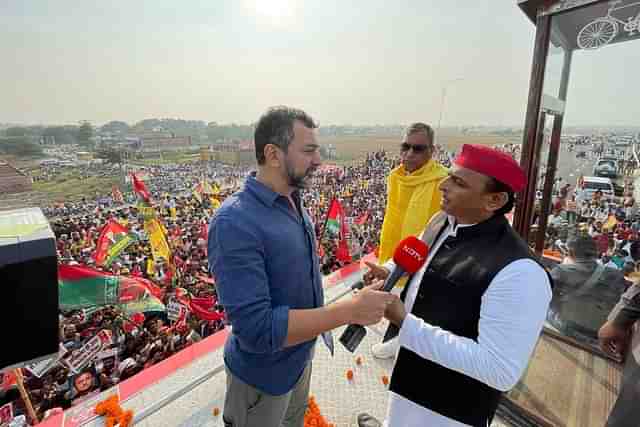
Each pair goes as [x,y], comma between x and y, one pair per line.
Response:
[28,288]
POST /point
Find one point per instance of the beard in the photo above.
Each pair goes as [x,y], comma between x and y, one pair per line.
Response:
[298,180]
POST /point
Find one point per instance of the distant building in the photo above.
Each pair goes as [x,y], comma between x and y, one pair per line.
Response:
[164,143]
[12,180]
[233,152]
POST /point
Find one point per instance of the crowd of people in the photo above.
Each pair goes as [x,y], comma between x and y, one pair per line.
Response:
[143,339]
[140,340]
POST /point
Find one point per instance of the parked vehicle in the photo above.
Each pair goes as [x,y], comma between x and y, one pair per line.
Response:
[606,167]
[591,184]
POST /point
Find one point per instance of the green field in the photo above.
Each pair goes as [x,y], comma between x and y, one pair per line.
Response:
[69,186]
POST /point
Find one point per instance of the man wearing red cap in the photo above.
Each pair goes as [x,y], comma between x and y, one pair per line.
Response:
[470,318]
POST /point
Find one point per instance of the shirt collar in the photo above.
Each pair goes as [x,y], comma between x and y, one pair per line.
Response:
[453,226]
[265,194]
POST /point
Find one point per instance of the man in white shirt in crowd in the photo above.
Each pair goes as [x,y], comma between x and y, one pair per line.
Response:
[470,318]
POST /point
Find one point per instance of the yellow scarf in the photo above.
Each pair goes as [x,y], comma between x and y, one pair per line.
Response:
[411,202]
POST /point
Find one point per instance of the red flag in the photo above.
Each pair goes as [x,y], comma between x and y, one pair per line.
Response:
[362,219]
[342,252]
[113,239]
[133,288]
[140,188]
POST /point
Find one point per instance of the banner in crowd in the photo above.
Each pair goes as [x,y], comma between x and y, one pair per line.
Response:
[140,188]
[117,194]
[82,287]
[40,368]
[157,240]
[174,310]
[79,358]
[6,414]
[114,238]
[147,212]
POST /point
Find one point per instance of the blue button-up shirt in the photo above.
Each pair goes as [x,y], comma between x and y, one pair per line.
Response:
[263,257]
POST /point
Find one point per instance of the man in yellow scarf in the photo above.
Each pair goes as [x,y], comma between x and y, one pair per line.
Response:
[412,199]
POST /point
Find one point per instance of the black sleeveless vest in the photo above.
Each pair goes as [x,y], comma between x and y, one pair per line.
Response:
[450,296]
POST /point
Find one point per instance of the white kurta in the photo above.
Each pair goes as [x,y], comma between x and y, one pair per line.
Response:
[512,313]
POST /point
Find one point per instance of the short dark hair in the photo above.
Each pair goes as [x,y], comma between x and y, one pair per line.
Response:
[275,126]
[495,186]
[583,247]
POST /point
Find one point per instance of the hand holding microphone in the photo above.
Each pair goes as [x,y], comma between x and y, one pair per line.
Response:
[409,257]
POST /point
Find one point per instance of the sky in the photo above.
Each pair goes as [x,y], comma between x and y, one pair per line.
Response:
[344,62]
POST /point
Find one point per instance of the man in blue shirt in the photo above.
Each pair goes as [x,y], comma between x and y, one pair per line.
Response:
[262,252]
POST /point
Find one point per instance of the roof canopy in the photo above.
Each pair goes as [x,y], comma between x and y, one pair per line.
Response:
[588,24]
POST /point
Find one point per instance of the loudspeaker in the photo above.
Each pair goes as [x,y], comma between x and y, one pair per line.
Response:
[28,288]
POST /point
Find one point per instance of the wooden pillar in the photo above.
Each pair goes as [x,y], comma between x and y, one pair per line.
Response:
[526,202]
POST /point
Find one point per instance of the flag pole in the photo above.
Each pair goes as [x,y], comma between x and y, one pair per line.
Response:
[25,396]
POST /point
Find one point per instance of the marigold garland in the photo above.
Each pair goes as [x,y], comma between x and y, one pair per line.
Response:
[114,414]
[313,417]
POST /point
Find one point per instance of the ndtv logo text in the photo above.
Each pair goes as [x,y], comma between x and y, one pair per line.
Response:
[412,253]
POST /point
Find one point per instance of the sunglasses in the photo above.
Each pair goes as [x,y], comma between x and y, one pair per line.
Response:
[405,146]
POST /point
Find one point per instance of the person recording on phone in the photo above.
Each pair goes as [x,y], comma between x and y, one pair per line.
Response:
[262,252]
[469,319]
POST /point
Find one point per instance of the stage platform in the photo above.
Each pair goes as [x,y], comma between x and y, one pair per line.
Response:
[339,400]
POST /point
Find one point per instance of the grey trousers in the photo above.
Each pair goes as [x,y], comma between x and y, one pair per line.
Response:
[246,406]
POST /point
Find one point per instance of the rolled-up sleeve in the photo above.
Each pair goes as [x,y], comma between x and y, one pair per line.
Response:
[236,260]
[627,311]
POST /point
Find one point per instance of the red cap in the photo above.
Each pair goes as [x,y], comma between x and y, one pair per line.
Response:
[411,254]
[493,163]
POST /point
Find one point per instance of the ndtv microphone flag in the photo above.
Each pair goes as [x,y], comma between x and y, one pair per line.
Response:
[410,255]
[114,238]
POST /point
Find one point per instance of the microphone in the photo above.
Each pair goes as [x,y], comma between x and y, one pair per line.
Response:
[409,256]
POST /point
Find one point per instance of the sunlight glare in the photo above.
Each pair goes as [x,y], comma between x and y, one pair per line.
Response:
[276,11]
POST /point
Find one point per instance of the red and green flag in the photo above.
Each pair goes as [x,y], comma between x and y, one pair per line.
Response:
[337,226]
[80,287]
[114,238]
[335,218]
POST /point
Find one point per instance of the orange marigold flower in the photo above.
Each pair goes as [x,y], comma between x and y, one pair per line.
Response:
[126,418]
[350,374]
[385,380]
